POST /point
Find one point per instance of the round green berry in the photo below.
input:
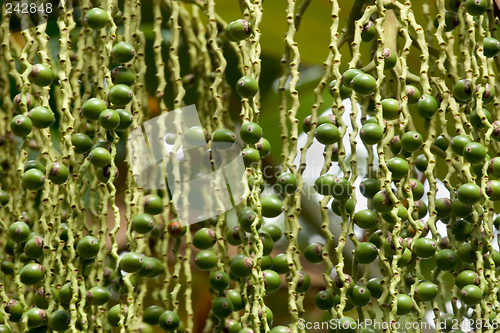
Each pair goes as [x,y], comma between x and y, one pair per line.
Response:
[364,84]
[313,254]
[15,309]
[204,239]
[371,134]
[413,94]
[21,125]
[426,291]
[369,32]
[36,317]
[327,134]
[223,138]
[247,87]
[96,18]
[131,262]
[459,142]
[382,203]
[169,321]
[421,162]
[34,247]
[41,117]
[398,167]
[241,266]
[476,7]
[491,47]
[238,30]
[93,107]
[233,236]
[369,187]
[195,136]
[493,189]
[236,299]
[341,189]
[462,90]
[365,219]
[19,231]
[103,174]
[123,52]
[271,206]
[424,248]
[391,109]
[469,193]
[59,173]
[251,133]
[324,300]
[251,156]
[33,179]
[4,198]
[375,287]
[100,157]
[122,75]
[98,296]
[41,75]
[59,320]
[222,307]
[474,152]
[205,260]
[427,106]
[32,273]
[365,253]
[443,207]
[272,281]
[120,94]
[152,314]
[114,315]
[304,282]
[390,59]
[88,247]
[446,260]
[411,141]
[218,280]
[153,204]
[471,294]
[227,32]
[360,296]
[109,119]
[143,223]
[287,183]
[404,304]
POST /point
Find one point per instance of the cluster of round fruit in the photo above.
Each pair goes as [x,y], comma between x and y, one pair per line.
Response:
[29,247]
[94,109]
[240,266]
[38,117]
